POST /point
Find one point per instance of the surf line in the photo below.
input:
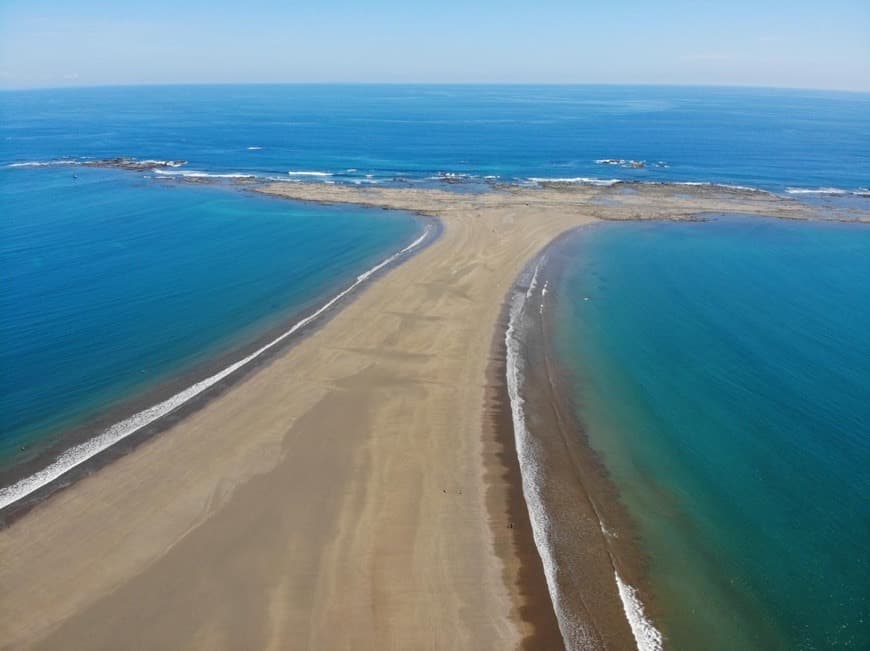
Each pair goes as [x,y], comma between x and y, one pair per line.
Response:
[78,454]
[575,635]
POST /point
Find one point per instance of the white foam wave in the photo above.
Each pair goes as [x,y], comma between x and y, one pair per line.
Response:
[578,180]
[308,173]
[533,283]
[146,162]
[629,163]
[78,454]
[572,631]
[444,177]
[44,163]
[622,162]
[646,635]
[823,191]
[195,174]
[161,163]
[254,148]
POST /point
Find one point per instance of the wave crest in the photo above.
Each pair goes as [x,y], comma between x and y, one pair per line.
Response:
[44,163]
[830,192]
[309,173]
[576,180]
[195,174]
[647,636]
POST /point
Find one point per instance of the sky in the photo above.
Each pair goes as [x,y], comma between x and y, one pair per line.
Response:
[798,44]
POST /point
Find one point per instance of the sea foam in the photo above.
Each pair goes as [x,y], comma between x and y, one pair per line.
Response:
[309,173]
[124,163]
[647,636]
[80,453]
[574,633]
[577,180]
[161,163]
[823,191]
[44,163]
[195,174]
[530,469]
[630,163]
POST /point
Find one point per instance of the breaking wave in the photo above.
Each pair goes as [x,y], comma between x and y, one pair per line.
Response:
[309,173]
[646,635]
[195,174]
[44,163]
[577,180]
[830,192]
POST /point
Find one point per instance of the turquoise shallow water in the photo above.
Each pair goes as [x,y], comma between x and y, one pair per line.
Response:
[113,282]
[723,371]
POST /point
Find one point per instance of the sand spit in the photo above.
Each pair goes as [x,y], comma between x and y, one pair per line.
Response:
[338,496]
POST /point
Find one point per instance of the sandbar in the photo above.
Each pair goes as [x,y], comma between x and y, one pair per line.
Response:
[354,491]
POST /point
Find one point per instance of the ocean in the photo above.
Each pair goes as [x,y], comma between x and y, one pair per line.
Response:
[779,140]
[722,372]
[719,369]
[114,284]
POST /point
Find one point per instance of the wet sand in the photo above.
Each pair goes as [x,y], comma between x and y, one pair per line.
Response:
[590,535]
[357,490]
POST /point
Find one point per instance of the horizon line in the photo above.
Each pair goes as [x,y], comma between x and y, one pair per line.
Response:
[431,83]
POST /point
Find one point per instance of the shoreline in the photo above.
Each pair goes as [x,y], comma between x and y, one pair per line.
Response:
[176,170]
[337,495]
[597,569]
[118,430]
[509,513]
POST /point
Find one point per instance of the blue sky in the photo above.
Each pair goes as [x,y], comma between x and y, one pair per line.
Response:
[737,42]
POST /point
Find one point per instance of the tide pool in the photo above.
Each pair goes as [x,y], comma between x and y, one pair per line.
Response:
[723,373]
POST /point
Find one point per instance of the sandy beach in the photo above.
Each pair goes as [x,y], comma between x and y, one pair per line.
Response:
[356,491]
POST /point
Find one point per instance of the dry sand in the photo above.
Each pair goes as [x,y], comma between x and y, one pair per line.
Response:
[351,492]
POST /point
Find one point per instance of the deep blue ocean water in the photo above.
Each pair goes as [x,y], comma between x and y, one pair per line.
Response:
[112,283]
[772,139]
[723,371]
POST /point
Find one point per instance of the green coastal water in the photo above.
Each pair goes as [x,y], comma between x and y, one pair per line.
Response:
[723,373]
